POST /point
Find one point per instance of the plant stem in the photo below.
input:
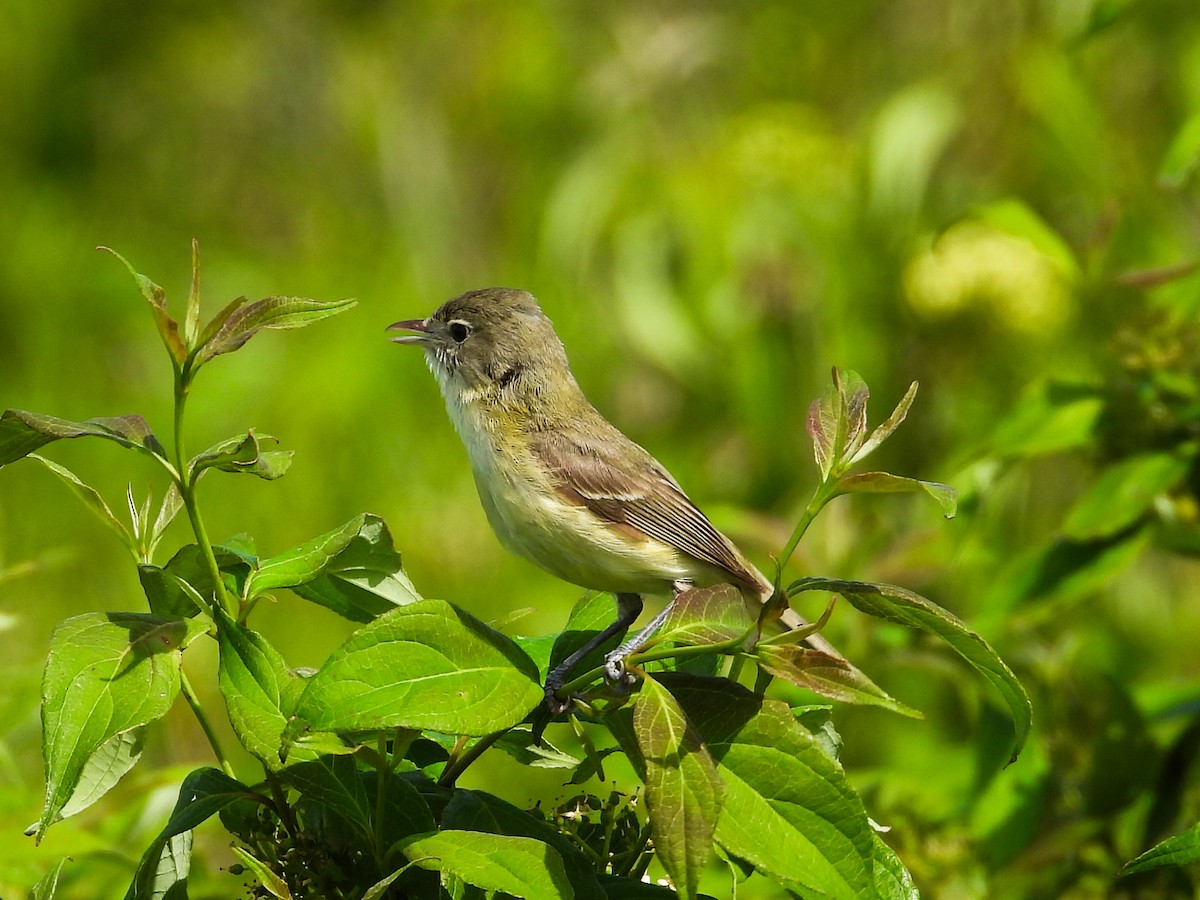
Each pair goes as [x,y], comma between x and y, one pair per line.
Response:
[205,725]
[824,493]
[458,765]
[187,492]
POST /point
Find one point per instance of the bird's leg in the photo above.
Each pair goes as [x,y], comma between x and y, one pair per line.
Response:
[629,607]
[614,662]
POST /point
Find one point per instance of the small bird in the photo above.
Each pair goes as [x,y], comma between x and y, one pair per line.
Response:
[560,485]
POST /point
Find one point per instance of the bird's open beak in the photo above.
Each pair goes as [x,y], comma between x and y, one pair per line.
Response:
[417,325]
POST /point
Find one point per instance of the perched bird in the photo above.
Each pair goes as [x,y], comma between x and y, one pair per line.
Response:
[561,486]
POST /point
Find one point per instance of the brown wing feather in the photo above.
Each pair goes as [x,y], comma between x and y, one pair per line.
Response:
[630,488]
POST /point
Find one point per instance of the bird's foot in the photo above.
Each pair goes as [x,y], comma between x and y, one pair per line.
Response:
[619,679]
[554,681]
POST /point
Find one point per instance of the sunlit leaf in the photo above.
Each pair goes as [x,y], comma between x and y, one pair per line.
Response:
[254,682]
[892,880]
[711,615]
[886,483]
[204,793]
[889,426]
[779,782]
[1015,217]
[1048,418]
[244,453]
[1182,849]
[242,320]
[896,604]
[684,793]
[172,503]
[107,675]
[481,811]
[827,675]
[168,328]
[590,615]
[92,500]
[47,885]
[1183,155]
[519,866]
[423,666]
[191,319]
[354,570]
[21,433]
[1123,493]
[163,870]
[263,874]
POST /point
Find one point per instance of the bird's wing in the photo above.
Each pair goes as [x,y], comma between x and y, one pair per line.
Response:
[630,488]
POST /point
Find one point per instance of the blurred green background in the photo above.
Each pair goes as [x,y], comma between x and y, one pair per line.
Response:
[715,203]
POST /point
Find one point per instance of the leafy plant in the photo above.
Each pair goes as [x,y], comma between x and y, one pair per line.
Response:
[1123,762]
[358,793]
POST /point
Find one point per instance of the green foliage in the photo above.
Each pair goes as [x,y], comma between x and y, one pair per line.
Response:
[348,799]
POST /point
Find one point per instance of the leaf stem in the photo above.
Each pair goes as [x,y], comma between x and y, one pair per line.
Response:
[186,481]
[205,725]
[823,494]
[458,765]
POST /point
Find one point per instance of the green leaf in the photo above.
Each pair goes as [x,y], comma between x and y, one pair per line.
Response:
[21,433]
[592,613]
[837,421]
[163,870]
[635,889]
[263,874]
[162,584]
[886,483]
[827,675]
[896,604]
[712,615]
[365,578]
[92,499]
[353,570]
[403,812]
[48,884]
[168,328]
[480,811]
[1015,217]
[427,665]
[333,784]
[892,880]
[520,866]
[788,808]
[1183,155]
[244,453]
[191,319]
[1063,571]
[1048,418]
[1182,849]
[254,682]
[164,865]
[172,503]
[107,675]
[684,793]
[241,320]
[1123,493]
[884,431]
[520,744]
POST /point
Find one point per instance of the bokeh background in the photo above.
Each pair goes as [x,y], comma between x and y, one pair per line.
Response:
[715,203]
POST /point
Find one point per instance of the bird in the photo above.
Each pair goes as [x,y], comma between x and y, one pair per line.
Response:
[562,486]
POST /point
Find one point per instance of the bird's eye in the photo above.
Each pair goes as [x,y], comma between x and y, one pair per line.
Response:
[459,331]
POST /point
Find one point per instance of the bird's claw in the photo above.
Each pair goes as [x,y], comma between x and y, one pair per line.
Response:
[619,679]
[555,680]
